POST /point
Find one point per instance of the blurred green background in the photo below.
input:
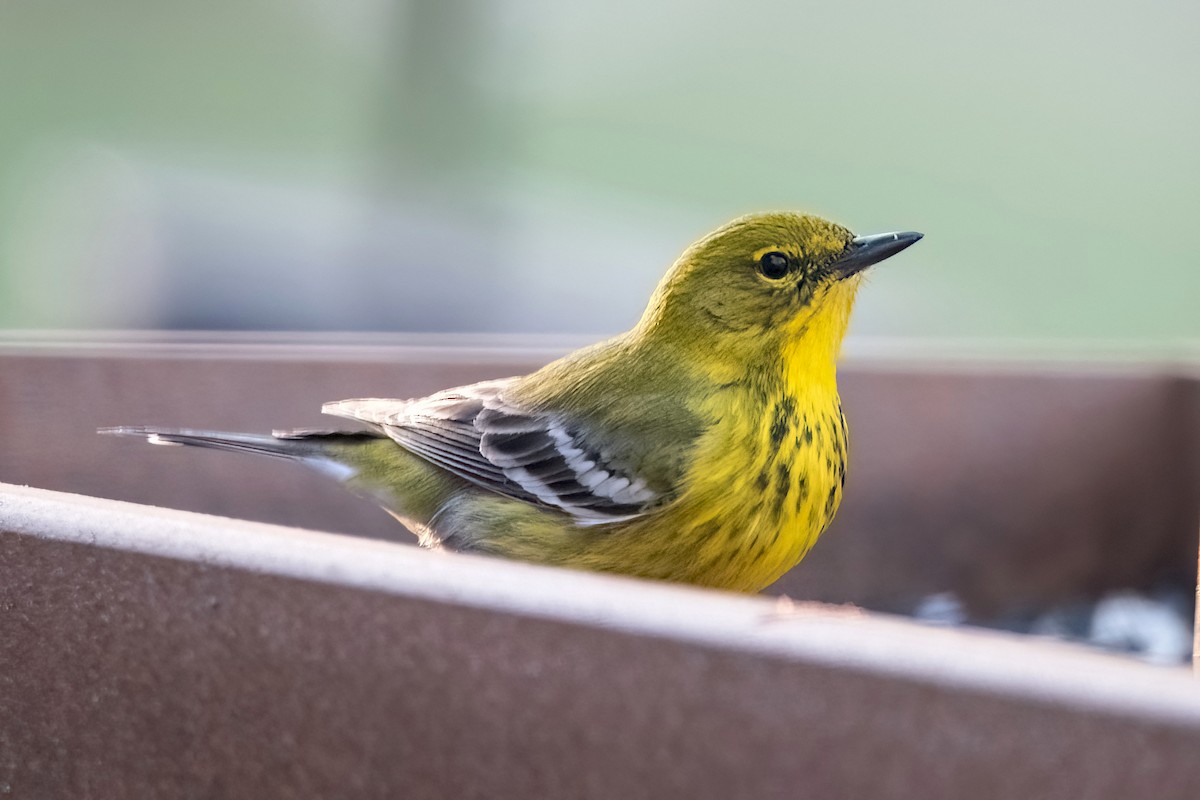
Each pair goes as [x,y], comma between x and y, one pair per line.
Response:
[527,165]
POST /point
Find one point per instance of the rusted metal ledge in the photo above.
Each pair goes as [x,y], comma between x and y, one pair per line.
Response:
[156,653]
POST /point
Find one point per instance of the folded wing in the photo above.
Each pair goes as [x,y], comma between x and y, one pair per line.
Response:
[477,434]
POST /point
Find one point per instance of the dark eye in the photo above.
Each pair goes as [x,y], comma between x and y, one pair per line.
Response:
[774,265]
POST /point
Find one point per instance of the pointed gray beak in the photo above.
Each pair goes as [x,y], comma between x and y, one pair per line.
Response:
[864,251]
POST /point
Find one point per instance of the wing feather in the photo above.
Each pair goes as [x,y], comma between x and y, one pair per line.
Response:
[476,433]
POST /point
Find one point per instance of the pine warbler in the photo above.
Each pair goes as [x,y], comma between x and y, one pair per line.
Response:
[706,445]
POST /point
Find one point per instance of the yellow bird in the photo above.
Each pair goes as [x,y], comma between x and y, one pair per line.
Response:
[706,445]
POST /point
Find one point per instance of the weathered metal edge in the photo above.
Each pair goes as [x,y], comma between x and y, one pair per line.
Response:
[969,355]
[996,663]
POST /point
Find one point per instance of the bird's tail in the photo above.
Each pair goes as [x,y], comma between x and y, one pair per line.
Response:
[317,449]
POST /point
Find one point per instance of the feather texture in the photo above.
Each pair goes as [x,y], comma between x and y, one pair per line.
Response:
[476,433]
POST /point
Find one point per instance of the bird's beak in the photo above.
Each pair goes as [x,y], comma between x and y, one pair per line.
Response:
[864,251]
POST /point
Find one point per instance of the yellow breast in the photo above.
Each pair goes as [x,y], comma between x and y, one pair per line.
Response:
[765,483]
[771,469]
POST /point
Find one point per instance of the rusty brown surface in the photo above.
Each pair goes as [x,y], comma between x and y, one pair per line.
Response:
[1014,486]
[1016,489]
[153,654]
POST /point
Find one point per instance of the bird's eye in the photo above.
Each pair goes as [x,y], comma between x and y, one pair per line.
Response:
[774,265]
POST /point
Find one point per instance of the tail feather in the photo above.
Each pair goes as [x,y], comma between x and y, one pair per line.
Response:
[312,447]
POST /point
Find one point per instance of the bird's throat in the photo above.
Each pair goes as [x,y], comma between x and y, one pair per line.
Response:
[811,350]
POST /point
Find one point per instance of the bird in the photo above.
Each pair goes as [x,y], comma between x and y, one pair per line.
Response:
[706,445]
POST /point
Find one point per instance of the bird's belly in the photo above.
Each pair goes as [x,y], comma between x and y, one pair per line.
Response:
[741,542]
[756,536]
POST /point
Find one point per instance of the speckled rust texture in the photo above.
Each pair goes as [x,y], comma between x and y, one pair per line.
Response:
[127,676]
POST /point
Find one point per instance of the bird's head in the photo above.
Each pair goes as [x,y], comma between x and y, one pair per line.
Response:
[766,282]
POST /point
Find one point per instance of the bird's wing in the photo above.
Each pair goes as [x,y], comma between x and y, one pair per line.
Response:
[477,434]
